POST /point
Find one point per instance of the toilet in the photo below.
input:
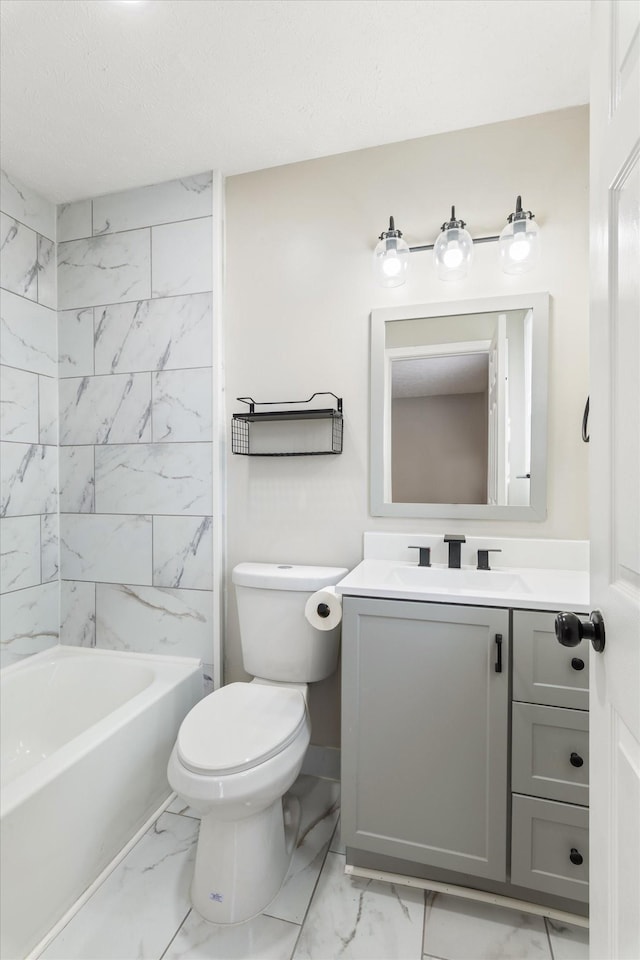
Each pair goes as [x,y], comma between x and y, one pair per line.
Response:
[240,749]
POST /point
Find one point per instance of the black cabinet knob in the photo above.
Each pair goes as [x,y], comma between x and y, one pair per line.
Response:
[577,663]
[576,857]
[570,630]
[576,760]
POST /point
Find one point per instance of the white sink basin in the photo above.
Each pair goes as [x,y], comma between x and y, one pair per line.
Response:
[457,581]
[523,587]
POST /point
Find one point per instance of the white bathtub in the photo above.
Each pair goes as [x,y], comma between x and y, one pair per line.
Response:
[85,738]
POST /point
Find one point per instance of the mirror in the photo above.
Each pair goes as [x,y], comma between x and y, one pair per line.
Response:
[459,409]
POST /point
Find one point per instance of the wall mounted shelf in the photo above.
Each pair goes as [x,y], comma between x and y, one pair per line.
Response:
[255,432]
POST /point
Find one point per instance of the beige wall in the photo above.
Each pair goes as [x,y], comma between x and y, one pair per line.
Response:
[299,290]
[439,452]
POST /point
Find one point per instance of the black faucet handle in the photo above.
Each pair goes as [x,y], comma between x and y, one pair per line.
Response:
[424,555]
[483,557]
[455,538]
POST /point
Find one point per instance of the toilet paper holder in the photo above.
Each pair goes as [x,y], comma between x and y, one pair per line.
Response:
[323,609]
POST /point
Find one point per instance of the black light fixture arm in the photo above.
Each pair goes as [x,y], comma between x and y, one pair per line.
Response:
[430,246]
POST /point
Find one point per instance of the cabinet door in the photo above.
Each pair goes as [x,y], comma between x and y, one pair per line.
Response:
[425,724]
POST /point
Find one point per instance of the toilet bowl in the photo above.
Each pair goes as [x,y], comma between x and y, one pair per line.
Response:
[240,749]
[235,779]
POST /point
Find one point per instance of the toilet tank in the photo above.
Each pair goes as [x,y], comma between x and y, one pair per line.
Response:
[278,642]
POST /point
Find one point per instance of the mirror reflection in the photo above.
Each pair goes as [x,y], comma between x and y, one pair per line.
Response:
[458,425]
[467,399]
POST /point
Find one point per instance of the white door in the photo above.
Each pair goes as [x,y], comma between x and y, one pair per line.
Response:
[615,479]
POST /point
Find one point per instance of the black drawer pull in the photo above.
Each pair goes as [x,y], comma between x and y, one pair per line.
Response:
[498,663]
[576,760]
[575,857]
[577,663]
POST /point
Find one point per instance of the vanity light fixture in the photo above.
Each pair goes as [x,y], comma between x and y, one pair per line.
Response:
[519,246]
[391,257]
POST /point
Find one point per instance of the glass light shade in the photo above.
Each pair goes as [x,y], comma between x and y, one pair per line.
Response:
[453,253]
[520,246]
[391,261]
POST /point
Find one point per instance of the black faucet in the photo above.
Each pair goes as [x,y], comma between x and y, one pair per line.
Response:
[424,556]
[483,557]
[454,549]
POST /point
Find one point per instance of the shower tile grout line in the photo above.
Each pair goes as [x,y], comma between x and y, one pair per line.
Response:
[119,303]
[34,373]
[126,373]
[37,233]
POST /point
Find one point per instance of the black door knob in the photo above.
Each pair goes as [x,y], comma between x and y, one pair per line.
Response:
[575,857]
[576,760]
[577,663]
[570,630]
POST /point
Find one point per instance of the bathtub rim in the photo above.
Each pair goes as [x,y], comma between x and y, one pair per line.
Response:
[26,784]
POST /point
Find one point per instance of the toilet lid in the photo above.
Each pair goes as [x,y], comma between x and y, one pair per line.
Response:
[239,726]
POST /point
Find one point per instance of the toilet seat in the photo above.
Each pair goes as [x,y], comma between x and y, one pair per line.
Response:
[238,727]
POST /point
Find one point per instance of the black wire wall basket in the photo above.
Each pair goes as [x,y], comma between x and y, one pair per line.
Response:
[254,431]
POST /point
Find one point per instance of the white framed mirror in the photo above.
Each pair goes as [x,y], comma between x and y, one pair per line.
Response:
[459,409]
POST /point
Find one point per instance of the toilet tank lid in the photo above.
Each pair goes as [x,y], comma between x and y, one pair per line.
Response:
[286,576]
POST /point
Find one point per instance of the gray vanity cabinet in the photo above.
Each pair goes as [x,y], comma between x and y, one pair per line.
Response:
[425,703]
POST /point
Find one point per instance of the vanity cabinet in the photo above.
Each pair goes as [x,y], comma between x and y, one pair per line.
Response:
[459,766]
[425,707]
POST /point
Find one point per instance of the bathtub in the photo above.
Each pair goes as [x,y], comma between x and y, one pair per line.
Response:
[85,735]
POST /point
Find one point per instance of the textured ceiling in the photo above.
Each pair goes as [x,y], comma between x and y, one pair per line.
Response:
[101,95]
[440,376]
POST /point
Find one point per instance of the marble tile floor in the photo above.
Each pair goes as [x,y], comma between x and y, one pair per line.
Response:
[142,910]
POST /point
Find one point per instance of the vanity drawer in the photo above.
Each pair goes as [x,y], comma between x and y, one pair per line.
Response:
[545,835]
[543,670]
[550,752]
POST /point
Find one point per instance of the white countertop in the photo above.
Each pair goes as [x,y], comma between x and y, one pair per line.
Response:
[523,588]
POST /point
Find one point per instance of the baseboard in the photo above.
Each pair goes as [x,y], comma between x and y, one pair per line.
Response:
[322,762]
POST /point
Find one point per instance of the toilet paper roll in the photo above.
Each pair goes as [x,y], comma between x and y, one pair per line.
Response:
[323,609]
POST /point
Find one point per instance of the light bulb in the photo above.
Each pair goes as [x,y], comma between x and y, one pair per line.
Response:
[519,242]
[391,258]
[453,250]
[453,255]
[519,249]
[391,266]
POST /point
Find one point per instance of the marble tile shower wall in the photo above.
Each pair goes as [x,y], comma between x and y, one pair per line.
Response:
[29,601]
[135,277]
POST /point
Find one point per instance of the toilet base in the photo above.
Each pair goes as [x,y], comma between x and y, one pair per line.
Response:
[241,864]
